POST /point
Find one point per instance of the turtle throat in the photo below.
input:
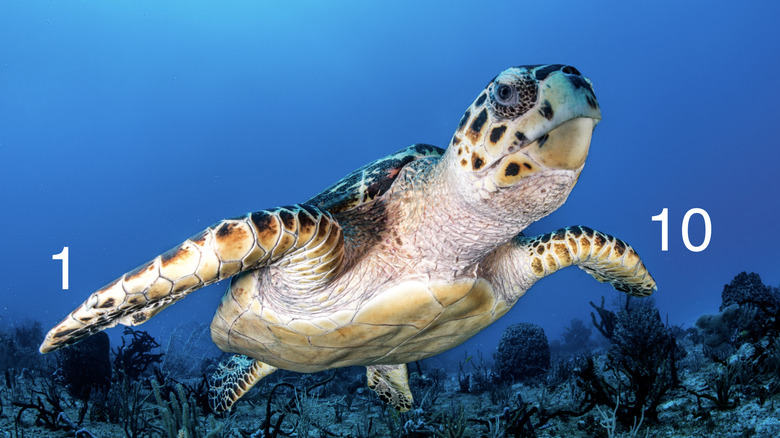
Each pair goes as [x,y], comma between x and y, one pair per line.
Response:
[482,215]
[445,223]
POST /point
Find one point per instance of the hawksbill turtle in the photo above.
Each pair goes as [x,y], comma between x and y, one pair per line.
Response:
[402,259]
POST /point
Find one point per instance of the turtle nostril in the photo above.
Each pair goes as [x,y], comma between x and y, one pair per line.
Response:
[571,70]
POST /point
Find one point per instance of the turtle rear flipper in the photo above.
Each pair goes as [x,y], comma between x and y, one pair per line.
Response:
[391,384]
[305,239]
[233,379]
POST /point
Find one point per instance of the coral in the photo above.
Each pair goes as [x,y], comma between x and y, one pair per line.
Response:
[179,417]
[608,422]
[188,349]
[198,393]
[525,419]
[642,355]
[126,402]
[768,361]
[749,313]
[758,313]
[47,402]
[100,410]
[742,340]
[480,377]
[450,425]
[523,352]
[606,322]
[562,370]
[576,337]
[723,386]
[640,338]
[517,422]
[747,288]
[300,409]
[27,336]
[133,359]
[645,352]
[717,331]
[45,399]
[19,346]
[86,367]
[607,391]
[426,388]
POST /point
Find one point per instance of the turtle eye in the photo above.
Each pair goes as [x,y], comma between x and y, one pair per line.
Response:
[506,95]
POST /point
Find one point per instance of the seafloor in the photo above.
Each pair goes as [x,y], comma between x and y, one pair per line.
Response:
[623,374]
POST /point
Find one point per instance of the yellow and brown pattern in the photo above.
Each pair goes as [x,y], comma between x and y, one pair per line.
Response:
[304,239]
[233,379]
[391,384]
[606,258]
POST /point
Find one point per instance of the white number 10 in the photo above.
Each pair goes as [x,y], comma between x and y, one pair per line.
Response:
[664,219]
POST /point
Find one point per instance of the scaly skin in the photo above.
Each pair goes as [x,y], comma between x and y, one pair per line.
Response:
[233,379]
[308,237]
[606,258]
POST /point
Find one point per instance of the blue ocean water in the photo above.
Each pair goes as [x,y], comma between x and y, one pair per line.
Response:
[126,127]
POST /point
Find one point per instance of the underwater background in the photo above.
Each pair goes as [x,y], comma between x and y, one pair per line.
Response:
[126,127]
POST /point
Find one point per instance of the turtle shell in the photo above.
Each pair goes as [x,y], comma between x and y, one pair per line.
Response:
[372,180]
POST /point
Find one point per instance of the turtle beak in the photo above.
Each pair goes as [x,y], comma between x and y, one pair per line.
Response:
[566,146]
[562,139]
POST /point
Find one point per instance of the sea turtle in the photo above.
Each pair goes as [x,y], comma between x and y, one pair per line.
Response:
[402,259]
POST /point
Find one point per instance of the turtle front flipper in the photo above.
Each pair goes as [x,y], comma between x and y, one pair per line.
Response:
[605,257]
[305,239]
[233,379]
[391,384]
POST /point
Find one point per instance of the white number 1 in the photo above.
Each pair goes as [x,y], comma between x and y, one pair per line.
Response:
[64,257]
[664,218]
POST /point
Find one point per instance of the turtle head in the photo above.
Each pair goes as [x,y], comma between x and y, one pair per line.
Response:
[530,122]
